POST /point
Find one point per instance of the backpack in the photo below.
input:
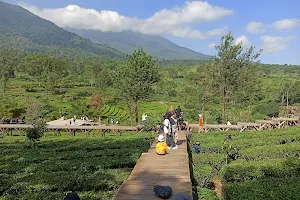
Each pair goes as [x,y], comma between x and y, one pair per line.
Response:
[163,192]
[172,121]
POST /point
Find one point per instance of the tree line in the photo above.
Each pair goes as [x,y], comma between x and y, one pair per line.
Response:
[232,80]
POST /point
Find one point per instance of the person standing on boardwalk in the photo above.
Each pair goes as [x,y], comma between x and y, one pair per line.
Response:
[168,132]
[174,128]
[178,112]
[169,113]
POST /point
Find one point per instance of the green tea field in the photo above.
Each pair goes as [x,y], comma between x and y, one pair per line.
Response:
[254,165]
[93,166]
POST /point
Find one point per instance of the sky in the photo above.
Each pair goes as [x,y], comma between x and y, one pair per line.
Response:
[271,25]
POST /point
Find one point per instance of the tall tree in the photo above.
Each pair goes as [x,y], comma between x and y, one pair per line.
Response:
[5,65]
[44,69]
[8,62]
[232,75]
[100,76]
[32,65]
[33,110]
[136,77]
[97,103]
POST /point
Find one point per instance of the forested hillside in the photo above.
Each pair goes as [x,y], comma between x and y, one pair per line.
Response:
[65,86]
[126,41]
[22,30]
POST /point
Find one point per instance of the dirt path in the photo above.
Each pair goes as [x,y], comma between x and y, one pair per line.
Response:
[218,187]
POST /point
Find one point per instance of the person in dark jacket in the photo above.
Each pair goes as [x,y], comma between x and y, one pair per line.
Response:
[228,137]
[197,147]
[178,112]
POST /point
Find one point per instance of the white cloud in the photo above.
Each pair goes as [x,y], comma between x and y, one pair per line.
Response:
[171,21]
[212,45]
[191,33]
[281,25]
[256,27]
[286,24]
[242,39]
[273,44]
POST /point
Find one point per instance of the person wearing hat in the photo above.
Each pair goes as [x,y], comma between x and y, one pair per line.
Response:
[161,146]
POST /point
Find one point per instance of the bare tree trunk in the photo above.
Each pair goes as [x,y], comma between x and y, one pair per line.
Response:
[136,111]
[223,107]
[223,104]
[130,112]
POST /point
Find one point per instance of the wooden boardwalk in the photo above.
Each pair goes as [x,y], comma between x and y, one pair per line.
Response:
[168,170]
[4,128]
[257,126]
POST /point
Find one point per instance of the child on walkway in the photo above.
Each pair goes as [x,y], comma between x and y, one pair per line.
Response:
[161,146]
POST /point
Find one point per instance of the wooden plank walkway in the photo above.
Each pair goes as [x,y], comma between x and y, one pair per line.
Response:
[168,170]
[257,126]
[69,128]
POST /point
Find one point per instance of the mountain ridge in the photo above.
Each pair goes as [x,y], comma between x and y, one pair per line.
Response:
[127,41]
[22,30]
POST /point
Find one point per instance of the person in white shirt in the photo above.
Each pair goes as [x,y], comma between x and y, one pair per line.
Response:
[144,119]
[167,131]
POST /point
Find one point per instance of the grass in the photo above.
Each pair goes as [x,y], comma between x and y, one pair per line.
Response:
[258,163]
[93,166]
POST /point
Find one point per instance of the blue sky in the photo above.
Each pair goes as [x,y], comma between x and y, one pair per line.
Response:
[276,24]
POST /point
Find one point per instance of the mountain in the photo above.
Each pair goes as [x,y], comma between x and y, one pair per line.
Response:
[22,30]
[127,41]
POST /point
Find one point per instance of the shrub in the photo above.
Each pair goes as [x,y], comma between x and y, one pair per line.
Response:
[206,194]
[59,92]
[272,151]
[276,168]
[269,109]
[269,188]
[34,134]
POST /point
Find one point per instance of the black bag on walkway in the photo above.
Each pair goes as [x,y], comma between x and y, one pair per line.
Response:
[163,192]
[72,196]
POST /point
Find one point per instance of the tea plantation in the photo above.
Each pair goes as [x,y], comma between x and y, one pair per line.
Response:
[254,165]
[92,166]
